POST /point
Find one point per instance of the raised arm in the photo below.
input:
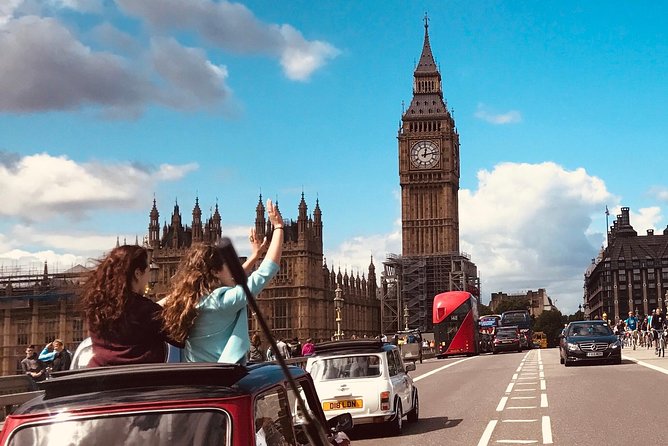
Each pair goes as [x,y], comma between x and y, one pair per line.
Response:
[276,245]
[258,247]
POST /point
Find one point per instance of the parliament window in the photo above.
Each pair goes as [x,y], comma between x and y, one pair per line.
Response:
[281,314]
[22,333]
[50,330]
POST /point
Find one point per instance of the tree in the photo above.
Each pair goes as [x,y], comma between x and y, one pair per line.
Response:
[512,303]
[551,323]
[483,309]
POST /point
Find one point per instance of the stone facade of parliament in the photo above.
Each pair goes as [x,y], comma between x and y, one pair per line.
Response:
[299,301]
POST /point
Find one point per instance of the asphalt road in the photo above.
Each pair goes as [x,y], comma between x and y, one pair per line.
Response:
[529,398]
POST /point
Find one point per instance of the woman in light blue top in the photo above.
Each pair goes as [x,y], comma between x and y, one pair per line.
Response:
[206,310]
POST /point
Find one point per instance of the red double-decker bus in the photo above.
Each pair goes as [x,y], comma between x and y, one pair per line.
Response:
[455,318]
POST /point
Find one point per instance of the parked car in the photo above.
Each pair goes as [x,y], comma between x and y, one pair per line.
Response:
[507,338]
[170,404]
[586,341]
[367,378]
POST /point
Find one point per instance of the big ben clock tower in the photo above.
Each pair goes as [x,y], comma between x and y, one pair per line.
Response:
[428,165]
[431,262]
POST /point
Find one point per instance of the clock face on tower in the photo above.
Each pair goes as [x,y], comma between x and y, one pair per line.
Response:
[425,154]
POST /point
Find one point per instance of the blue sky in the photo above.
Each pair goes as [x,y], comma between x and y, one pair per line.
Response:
[560,107]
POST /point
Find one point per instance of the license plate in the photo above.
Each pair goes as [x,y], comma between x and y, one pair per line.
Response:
[343,404]
[506,342]
[593,354]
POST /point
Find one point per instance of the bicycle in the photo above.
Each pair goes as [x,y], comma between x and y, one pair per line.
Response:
[661,347]
[634,339]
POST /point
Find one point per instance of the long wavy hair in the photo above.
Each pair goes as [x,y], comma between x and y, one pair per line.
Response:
[195,277]
[105,293]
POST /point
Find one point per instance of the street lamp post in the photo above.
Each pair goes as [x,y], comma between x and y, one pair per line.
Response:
[406,317]
[153,269]
[338,305]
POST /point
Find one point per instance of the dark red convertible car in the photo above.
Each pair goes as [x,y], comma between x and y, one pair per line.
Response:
[171,404]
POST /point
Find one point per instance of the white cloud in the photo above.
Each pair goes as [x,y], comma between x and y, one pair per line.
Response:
[300,58]
[509,117]
[646,218]
[46,185]
[354,255]
[194,80]
[528,226]
[7,9]
[44,67]
[89,6]
[660,192]
[232,26]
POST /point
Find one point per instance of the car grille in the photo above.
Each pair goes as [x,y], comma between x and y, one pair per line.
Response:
[593,346]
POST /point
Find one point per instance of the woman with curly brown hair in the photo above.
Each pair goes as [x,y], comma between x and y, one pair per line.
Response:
[204,308]
[125,327]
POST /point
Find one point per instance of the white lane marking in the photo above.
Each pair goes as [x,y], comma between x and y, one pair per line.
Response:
[547,430]
[519,421]
[519,369]
[542,385]
[521,407]
[484,440]
[543,400]
[514,377]
[649,366]
[542,374]
[525,390]
[526,384]
[540,367]
[528,377]
[510,387]
[502,403]
[418,378]
[522,397]
[517,441]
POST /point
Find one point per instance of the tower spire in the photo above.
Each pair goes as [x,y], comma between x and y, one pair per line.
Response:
[426,63]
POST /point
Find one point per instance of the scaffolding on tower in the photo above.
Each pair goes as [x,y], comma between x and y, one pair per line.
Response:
[413,281]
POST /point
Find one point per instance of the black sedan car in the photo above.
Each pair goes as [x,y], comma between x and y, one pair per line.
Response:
[507,339]
[586,341]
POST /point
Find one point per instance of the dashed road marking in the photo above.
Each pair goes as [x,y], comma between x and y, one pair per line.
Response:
[543,400]
[510,387]
[547,430]
[502,403]
[487,435]
[542,384]
[418,378]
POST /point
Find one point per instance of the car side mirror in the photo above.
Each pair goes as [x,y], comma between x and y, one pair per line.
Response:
[341,423]
[410,367]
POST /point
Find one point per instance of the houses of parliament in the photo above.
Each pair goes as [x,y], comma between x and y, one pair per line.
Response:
[299,301]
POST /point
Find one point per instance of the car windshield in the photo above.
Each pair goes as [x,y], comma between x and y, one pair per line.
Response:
[589,330]
[362,366]
[204,427]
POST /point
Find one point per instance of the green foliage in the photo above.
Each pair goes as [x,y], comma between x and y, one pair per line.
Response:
[484,309]
[517,303]
[551,323]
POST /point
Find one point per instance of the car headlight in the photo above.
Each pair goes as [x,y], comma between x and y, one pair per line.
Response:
[573,347]
[615,344]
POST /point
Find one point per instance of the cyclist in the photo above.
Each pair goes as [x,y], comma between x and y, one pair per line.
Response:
[658,321]
[632,327]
